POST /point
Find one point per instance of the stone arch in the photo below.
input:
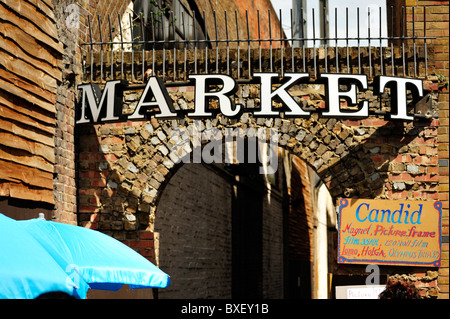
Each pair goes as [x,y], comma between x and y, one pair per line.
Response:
[330,147]
[137,163]
[199,221]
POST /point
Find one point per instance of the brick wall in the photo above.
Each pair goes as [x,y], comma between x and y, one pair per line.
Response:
[437,16]
[194,221]
[64,181]
[273,246]
[72,25]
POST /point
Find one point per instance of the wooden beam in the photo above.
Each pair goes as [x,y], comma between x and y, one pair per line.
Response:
[30,193]
[9,87]
[18,173]
[28,133]
[12,115]
[30,28]
[27,71]
[20,143]
[30,87]
[25,47]
[24,107]
[25,159]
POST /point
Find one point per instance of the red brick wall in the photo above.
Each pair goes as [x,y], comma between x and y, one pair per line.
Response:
[437,17]
[64,183]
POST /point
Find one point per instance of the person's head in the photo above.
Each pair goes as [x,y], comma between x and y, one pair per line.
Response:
[399,289]
[55,295]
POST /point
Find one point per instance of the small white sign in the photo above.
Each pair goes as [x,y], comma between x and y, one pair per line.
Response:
[359,292]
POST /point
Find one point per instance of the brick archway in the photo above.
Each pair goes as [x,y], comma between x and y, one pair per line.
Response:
[129,164]
[124,167]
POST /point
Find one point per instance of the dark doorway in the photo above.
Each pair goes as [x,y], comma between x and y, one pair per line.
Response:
[247,208]
[297,233]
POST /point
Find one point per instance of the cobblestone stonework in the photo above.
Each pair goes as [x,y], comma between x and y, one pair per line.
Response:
[368,158]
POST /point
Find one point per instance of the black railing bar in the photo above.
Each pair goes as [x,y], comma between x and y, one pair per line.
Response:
[217,47]
[238,51]
[336,39]
[163,50]
[112,46]
[121,46]
[184,46]
[414,40]
[370,49]
[132,49]
[270,43]
[403,25]
[195,41]
[304,56]
[425,41]
[314,42]
[381,44]
[292,46]
[281,44]
[392,42]
[174,48]
[91,47]
[359,41]
[152,21]
[228,43]
[101,47]
[346,40]
[206,46]
[248,45]
[259,42]
[141,22]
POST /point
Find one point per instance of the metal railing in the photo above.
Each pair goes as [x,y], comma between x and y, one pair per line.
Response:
[174,57]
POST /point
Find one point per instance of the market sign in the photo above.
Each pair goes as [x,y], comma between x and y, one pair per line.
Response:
[106,106]
[391,232]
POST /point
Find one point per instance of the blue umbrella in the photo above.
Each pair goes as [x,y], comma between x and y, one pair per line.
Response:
[102,261]
[26,268]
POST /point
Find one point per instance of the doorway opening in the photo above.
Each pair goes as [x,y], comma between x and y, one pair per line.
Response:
[227,231]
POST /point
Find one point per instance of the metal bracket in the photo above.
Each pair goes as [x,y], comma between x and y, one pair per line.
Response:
[424,108]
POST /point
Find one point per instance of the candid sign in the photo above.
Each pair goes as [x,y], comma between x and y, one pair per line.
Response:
[390,232]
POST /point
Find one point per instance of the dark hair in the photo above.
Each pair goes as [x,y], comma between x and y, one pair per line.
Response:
[399,289]
[55,295]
